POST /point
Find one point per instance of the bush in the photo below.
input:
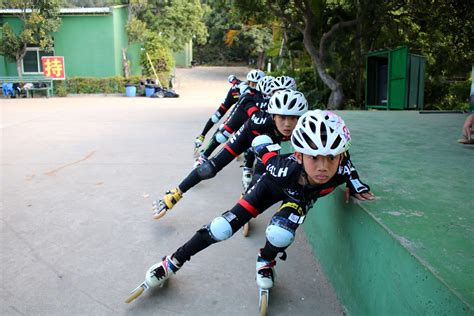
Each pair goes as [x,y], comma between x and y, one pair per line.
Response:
[160,55]
[92,85]
[445,95]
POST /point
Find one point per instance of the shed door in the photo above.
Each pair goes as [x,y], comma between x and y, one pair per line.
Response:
[398,78]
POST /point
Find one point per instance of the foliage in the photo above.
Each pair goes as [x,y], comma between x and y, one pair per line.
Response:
[441,31]
[38,26]
[160,54]
[446,95]
[219,18]
[259,37]
[93,85]
[176,21]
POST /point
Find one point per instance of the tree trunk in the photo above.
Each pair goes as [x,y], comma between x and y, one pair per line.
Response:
[18,68]
[261,60]
[125,64]
[19,57]
[336,98]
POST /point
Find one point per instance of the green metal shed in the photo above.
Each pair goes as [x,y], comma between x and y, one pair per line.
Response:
[394,79]
[90,39]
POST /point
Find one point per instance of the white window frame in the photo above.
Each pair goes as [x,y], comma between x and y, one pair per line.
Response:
[38,59]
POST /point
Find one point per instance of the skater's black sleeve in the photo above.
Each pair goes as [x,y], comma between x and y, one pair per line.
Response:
[353,181]
[242,140]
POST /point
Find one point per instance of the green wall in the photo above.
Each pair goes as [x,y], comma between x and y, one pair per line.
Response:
[183,58]
[370,269]
[87,44]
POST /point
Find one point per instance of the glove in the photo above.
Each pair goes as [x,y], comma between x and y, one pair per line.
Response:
[247,175]
[356,186]
[243,87]
[198,141]
[231,78]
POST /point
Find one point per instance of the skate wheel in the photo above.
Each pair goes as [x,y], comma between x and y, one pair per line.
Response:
[263,303]
[135,294]
[160,214]
[246,229]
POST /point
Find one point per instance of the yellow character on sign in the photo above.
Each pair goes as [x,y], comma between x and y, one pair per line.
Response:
[53,68]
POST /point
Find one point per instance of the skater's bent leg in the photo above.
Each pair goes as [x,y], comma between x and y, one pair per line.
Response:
[280,234]
[221,228]
[203,172]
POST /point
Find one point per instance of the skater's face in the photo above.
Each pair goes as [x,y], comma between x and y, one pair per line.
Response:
[285,123]
[252,84]
[320,169]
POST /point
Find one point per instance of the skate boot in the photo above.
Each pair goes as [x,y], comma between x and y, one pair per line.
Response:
[202,159]
[265,273]
[197,144]
[171,197]
[156,275]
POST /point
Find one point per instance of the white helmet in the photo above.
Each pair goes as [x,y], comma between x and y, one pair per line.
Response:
[320,133]
[255,75]
[283,82]
[265,85]
[288,102]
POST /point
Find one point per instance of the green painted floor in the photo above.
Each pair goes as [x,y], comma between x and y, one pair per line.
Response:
[424,183]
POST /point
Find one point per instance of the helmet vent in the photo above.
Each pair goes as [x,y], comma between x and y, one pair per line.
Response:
[336,143]
[323,133]
[309,141]
[292,104]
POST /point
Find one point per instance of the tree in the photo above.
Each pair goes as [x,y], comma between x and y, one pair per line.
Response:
[40,19]
[177,21]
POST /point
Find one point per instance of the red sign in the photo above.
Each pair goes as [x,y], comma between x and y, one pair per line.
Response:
[53,67]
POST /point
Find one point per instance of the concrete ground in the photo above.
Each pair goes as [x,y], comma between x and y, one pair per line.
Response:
[78,176]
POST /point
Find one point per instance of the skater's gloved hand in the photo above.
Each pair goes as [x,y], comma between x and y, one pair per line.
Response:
[232,79]
[263,144]
[198,141]
[247,174]
[358,189]
[243,86]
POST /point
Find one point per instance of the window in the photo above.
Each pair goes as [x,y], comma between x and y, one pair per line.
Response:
[31,63]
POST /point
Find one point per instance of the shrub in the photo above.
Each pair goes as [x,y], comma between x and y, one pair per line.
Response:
[447,95]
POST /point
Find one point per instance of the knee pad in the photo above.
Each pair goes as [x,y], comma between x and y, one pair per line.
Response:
[215,117]
[220,229]
[206,171]
[279,234]
[222,137]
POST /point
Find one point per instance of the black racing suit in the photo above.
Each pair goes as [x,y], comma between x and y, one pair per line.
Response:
[232,97]
[261,123]
[249,103]
[280,183]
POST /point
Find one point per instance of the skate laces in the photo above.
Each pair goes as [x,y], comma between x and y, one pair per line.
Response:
[266,271]
[167,267]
